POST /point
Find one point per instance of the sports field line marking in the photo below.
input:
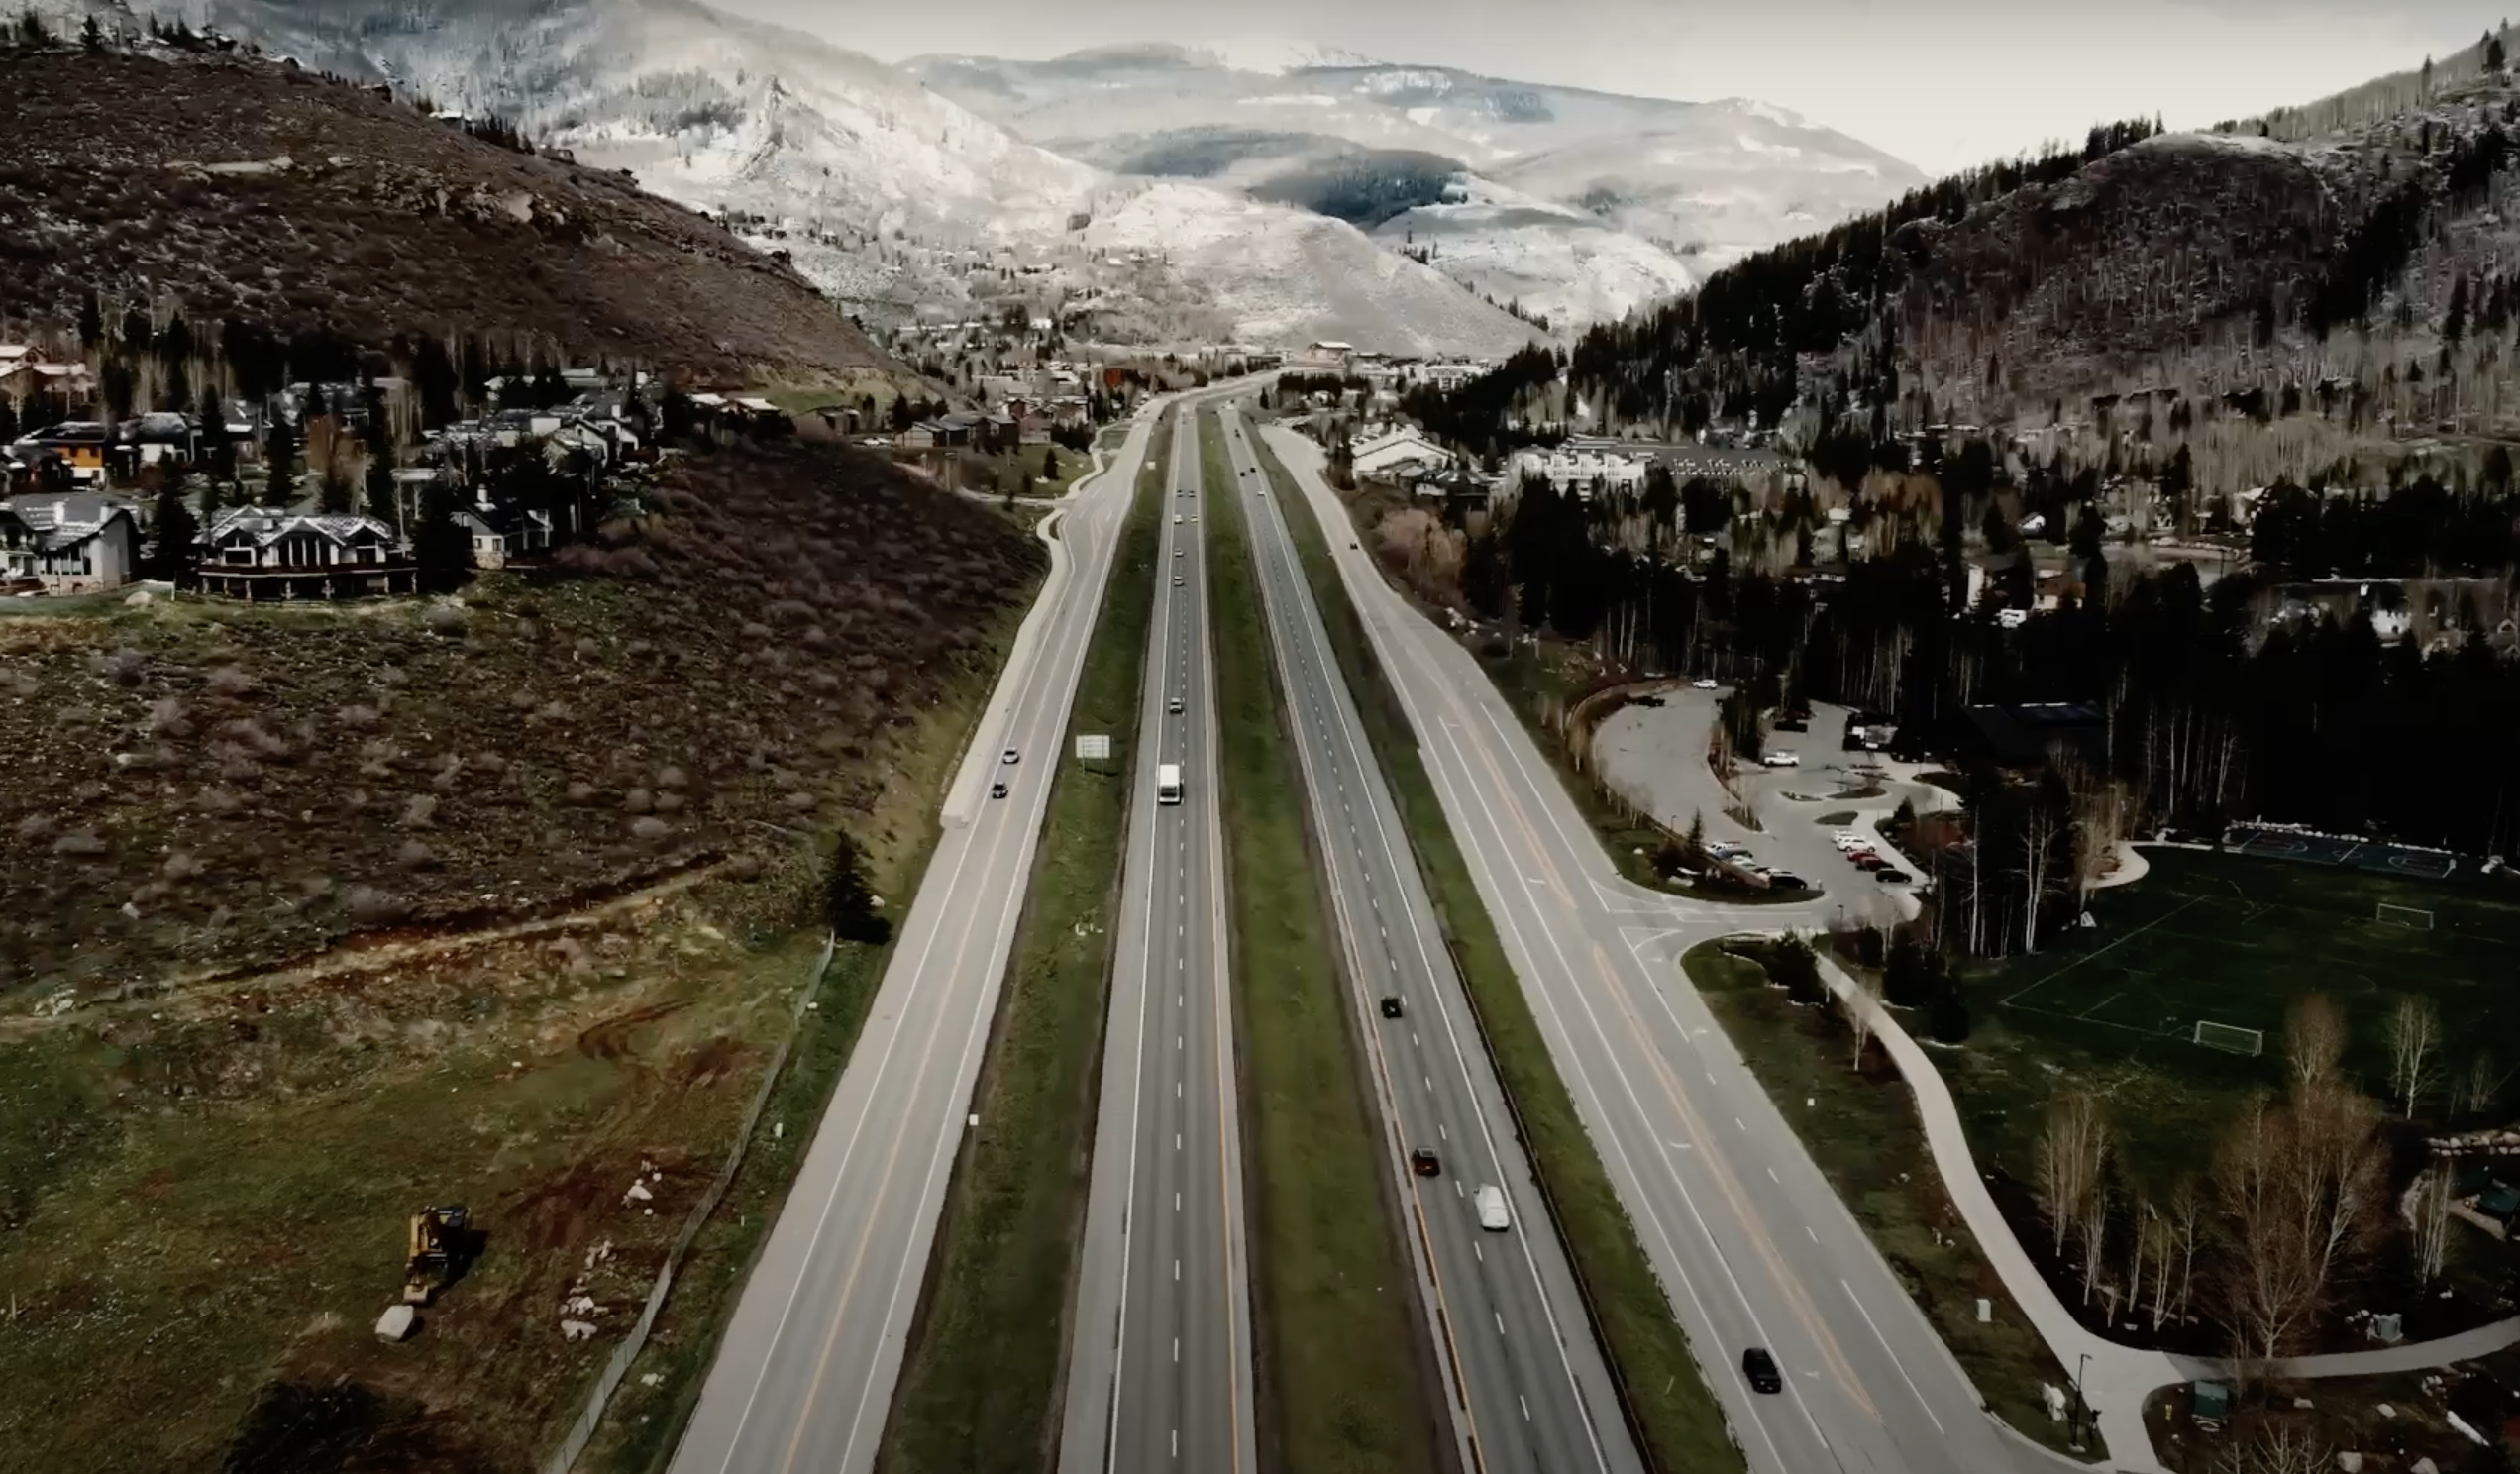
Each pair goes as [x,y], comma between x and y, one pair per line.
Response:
[2099,952]
[2104,1003]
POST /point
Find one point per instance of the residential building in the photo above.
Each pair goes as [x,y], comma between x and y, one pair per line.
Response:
[1398,451]
[257,553]
[1578,471]
[72,543]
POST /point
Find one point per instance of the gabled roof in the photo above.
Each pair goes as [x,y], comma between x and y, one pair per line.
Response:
[263,526]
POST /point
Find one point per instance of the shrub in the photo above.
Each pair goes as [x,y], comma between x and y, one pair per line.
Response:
[230,681]
[649,828]
[1949,1020]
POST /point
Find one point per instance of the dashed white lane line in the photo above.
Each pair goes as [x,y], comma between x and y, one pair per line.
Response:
[1772,1177]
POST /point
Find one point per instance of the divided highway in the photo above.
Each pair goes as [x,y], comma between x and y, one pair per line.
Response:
[1159,1373]
[1749,1240]
[1527,1387]
[804,1378]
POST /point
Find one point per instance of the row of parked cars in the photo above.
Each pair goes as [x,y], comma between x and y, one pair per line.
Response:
[1737,857]
[1860,853]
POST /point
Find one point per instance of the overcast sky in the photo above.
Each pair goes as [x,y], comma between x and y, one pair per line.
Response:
[1941,84]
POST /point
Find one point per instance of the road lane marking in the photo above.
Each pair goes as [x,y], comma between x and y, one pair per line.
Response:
[1894,1357]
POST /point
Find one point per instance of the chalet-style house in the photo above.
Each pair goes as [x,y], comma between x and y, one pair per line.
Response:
[257,553]
[71,543]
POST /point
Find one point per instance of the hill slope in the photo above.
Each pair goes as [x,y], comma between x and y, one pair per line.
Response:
[891,196]
[283,196]
[1689,185]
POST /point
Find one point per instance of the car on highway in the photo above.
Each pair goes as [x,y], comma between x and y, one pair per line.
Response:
[1177,580]
[1391,1006]
[1782,759]
[1759,1370]
[1703,682]
[1010,756]
[1175,706]
[1891,875]
[1425,1163]
[1492,1212]
[1177,519]
[998,790]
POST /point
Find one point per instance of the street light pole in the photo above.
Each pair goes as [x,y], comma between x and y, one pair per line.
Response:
[2082,1404]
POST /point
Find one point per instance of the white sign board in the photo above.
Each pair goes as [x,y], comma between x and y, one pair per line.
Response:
[1094,747]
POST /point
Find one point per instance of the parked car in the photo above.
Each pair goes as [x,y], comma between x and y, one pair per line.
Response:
[1782,759]
[1786,879]
[1759,1369]
[1703,682]
[1891,875]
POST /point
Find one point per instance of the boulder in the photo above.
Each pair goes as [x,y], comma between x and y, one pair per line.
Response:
[397,1323]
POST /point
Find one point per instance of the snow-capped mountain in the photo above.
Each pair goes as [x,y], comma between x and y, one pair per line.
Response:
[890,195]
[1580,204]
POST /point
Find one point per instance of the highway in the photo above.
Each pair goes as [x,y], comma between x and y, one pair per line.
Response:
[1159,1371]
[804,1378]
[1528,1388]
[1752,1245]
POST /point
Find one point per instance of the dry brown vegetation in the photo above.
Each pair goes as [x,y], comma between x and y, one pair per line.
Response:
[204,788]
[359,214]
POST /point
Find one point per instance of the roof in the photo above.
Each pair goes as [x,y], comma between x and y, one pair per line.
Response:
[758,405]
[68,519]
[263,526]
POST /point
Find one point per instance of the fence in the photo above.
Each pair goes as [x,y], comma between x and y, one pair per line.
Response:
[617,1366]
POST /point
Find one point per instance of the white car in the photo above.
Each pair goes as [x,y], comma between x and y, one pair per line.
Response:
[1703,682]
[1492,1213]
[1848,840]
[1010,756]
[1782,759]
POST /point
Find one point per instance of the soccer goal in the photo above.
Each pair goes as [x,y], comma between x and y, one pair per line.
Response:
[2231,1038]
[2401,915]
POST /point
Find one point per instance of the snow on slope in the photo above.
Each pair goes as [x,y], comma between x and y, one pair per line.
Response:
[1567,170]
[883,186]
[1547,258]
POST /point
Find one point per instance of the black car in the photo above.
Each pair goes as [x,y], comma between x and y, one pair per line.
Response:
[1423,1162]
[997,790]
[1391,1006]
[1786,879]
[1759,1369]
[1891,876]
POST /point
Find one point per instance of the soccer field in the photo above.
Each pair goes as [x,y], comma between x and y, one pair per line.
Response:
[2232,939]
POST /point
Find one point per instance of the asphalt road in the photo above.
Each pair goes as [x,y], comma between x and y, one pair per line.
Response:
[1528,1388]
[1159,1373]
[804,1378]
[1752,1245]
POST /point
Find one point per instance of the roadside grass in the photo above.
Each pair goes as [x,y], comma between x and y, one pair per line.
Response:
[1679,1421]
[205,1204]
[1336,1331]
[899,837]
[2343,1412]
[1861,1128]
[981,1381]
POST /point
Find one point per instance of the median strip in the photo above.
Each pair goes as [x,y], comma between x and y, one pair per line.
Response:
[981,1378]
[1337,1361]
[1677,1420]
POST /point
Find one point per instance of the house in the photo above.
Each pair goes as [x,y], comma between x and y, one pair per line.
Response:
[80,445]
[1398,451]
[1460,489]
[1326,355]
[72,543]
[499,535]
[159,439]
[257,553]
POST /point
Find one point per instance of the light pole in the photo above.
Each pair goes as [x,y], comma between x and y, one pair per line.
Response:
[2082,1405]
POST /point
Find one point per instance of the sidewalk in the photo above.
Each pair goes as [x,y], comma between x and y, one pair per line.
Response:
[2117,1378]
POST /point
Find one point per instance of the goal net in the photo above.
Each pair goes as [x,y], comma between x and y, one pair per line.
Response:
[2403,915]
[2231,1038]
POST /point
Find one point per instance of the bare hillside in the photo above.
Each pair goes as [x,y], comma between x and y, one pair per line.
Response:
[278,194]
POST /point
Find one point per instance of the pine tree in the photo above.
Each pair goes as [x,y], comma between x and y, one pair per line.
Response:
[382,502]
[332,498]
[2493,52]
[170,555]
[438,543]
[92,36]
[279,461]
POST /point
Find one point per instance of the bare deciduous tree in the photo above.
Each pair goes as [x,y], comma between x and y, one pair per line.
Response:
[2414,1039]
[2428,1210]
[2478,1088]
[2314,1039]
[2299,1186]
[2278,1446]
[2072,1155]
[1858,1002]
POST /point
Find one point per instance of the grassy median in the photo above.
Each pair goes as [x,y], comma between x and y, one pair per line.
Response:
[1334,1334]
[979,1388]
[1667,1399]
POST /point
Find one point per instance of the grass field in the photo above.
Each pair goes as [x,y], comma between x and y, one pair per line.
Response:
[1337,1323]
[2231,940]
[980,1386]
[1862,1131]
[1647,1351]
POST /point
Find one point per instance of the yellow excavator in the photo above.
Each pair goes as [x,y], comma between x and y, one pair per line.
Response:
[436,1237]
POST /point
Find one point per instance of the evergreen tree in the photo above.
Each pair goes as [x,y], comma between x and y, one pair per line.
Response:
[2493,52]
[91,319]
[279,464]
[9,430]
[136,336]
[92,36]
[171,554]
[331,498]
[438,544]
[2454,320]
[381,501]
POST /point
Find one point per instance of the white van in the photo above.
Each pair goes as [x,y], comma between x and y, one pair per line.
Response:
[1492,1213]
